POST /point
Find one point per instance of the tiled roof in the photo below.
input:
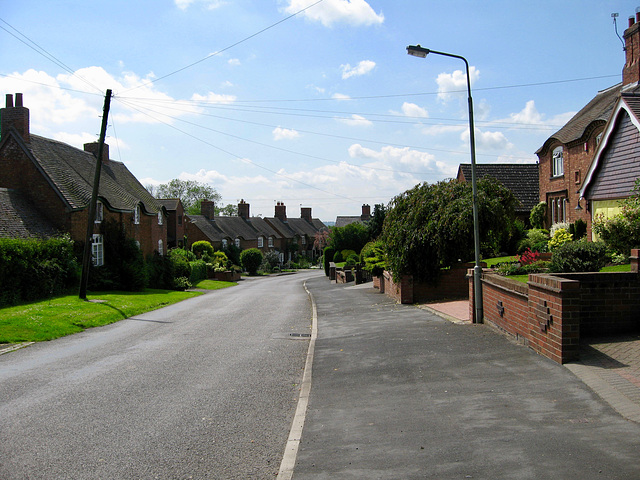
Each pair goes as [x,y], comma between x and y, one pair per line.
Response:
[169,203]
[296,226]
[521,179]
[233,227]
[20,219]
[346,220]
[597,110]
[71,171]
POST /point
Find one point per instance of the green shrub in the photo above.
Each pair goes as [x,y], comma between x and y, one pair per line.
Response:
[181,283]
[352,260]
[538,215]
[559,238]
[181,266]
[202,247]
[198,271]
[327,258]
[36,269]
[338,258]
[160,272]
[251,260]
[374,258]
[578,229]
[188,255]
[346,253]
[580,256]
[270,262]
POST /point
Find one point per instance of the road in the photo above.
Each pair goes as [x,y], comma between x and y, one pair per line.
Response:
[206,388]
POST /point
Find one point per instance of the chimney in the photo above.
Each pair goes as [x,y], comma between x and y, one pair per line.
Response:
[208,209]
[281,211]
[243,210]
[15,116]
[631,70]
[366,213]
[305,213]
[94,147]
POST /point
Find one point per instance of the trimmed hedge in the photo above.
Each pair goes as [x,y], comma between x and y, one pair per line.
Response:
[198,271]
[580,256]
[36,269]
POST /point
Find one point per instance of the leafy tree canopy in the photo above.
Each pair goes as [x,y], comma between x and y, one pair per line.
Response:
[377,221]
[352,237]
[190,192]
[431,226]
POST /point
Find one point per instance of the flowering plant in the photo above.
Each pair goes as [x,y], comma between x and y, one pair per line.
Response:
[528,257]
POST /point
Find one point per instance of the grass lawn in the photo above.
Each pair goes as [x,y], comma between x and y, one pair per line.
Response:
[492,261]
[60,316]
[214,284]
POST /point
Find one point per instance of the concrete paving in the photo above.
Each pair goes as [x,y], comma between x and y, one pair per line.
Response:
[401,393]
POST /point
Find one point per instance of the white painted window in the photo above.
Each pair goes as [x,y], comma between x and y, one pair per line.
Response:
[160,247]
[303,240]
[160,218]
[260,242]
[99,212]
[136,215]
[271,242]
[557,162]
[237,242]
[224,243]
[97,250]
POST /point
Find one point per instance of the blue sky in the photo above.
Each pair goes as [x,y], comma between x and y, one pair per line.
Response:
[268,100]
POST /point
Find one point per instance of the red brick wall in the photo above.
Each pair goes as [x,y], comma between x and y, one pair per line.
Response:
[452,283]
[401,292]
[506,305]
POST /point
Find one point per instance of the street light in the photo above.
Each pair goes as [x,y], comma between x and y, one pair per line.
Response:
[418,51]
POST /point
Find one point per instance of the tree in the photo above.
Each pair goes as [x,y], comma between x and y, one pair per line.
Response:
[350,237]
[251,260]
[377,221]
[190,192]
[229,210]
[431,226]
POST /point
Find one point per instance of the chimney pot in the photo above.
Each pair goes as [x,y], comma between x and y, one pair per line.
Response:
[9,100]
[631,21]
[637,16]
[18,100]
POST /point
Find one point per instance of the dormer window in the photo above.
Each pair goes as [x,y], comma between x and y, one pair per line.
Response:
[136,215]
[271,242]
[225,243]
[303,241]
[160,218]
[260,242]
[99,212]
[557,162]
[237,242]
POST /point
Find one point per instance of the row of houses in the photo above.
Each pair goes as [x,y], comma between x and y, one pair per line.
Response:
[46,187]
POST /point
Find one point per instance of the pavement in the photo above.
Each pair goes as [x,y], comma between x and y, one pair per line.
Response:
[400,392]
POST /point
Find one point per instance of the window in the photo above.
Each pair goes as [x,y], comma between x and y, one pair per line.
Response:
[179,219]
[237,242]
[224,243]
[558,210]
[160,219]
[99,212]
[271,242]
[303,240]
[136,215]
[577,177]
[557,164]
[160,247]
[260,242]
[97,250]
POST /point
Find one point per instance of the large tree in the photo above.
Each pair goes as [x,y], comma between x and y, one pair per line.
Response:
[431,226]
[190,192]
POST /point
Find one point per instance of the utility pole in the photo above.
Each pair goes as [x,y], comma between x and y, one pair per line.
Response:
[86,255]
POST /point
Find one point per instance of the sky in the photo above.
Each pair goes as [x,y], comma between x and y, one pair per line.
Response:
[311,103]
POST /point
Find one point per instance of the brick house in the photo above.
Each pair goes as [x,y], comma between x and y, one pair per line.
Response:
[521,179]
[242,230]
[57,180]
[20,219]
[364,217]
[297,231]
[565,158]
[616,163]
[175,221]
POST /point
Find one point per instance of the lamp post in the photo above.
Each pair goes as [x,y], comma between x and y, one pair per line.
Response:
[418,51]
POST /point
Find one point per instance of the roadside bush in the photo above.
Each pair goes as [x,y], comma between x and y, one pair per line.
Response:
[538,215]
[181,283]
[578,229]
[181,266]
[346,253]
[35,269]
[233,253]
[270,262]
[327,258]
[251,260]
[188,255]
[352,260]
[160,272]
[374,258]
[559,238]
[201,248]
[580,256]
[337,257]
[198,271]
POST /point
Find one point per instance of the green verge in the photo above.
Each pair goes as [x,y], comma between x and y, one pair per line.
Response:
[214,284]
[65,315]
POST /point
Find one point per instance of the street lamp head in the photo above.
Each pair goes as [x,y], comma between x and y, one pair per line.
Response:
[418,51]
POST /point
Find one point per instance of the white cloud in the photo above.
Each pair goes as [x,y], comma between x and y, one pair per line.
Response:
[207,4]
[363,67]
[413,110]
[488,140]
[435,130]
[280,133]
[353,12]
[340,96]
[401,159]
[214,98]
[455,83]
[233,62]
[356,121]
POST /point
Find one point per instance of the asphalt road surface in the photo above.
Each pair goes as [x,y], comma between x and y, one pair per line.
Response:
[206,388]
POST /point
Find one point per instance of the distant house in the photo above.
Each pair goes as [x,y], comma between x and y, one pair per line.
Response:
[175,221]
[566,157]
[277,234]
[616,163]
[521,179]
[364,217]
[57,180]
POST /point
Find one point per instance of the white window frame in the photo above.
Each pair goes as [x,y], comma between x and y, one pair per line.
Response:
[225,243]
[270,242]
[260,242]
[160,218]
[557,162]
[136,215]
[237,242]
[303,240]
[99,212]
[160,247]
[97,250]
